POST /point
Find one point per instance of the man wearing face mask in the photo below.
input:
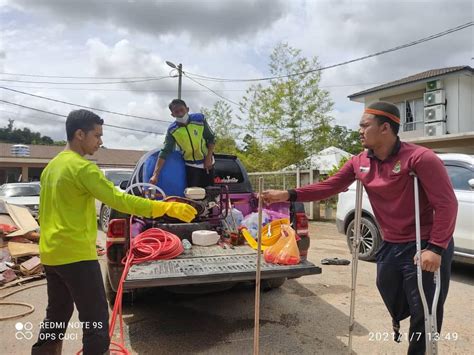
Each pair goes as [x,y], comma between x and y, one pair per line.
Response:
[196,141]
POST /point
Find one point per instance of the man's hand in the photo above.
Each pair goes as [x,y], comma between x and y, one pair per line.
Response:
[274,196]
[430,261]
[154,179]
[208,163]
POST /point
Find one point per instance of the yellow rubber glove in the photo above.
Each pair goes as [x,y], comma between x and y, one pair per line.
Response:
[181,211]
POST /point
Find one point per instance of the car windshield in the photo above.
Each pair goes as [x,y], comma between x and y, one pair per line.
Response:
[19,190]
[118,176]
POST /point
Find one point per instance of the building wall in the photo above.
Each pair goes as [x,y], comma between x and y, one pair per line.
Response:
[466,103]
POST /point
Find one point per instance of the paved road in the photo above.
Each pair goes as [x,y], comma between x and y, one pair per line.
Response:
[305,316]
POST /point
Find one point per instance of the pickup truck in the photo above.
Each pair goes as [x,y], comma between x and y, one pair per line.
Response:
[206,268]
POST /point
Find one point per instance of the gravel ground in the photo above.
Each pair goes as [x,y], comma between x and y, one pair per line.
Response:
[306,316]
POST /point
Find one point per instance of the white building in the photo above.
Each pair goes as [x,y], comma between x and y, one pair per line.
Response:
[436,107]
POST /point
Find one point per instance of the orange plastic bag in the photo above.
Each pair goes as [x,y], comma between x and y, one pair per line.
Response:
[285,251]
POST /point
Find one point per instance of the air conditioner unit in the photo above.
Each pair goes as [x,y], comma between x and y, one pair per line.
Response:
[434,85]
[435,113]
[434,98]
[435,129]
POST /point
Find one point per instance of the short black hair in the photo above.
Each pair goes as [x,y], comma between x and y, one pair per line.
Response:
[176,102]
[83,120]
[389,108]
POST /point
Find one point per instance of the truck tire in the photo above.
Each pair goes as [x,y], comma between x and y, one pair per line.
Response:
[370,238]
[270,284]
[127,297]
[104,217]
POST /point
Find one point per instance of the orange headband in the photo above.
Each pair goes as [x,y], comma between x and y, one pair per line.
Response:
[383,113]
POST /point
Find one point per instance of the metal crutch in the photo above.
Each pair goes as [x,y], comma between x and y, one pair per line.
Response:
[256,334]
[431,326]
[355,257]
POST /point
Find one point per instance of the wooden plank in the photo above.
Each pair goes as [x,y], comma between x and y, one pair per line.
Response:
[23,249]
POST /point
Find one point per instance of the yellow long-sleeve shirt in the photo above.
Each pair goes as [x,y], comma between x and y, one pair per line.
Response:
[69,186]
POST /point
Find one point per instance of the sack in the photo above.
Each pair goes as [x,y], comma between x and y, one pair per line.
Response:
[285,251]
[251,222]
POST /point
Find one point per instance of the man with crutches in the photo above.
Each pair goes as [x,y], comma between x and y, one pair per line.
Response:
[386,169]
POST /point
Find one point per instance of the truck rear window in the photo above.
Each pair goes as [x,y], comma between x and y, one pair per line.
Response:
[228,172]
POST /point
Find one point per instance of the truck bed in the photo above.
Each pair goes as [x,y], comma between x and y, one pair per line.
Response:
[211,265]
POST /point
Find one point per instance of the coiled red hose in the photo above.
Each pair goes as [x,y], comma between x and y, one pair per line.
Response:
[152,244]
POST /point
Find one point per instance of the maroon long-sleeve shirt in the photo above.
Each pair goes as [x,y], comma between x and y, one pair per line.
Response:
[390,190]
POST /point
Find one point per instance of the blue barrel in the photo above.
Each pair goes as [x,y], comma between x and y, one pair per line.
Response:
[172,178]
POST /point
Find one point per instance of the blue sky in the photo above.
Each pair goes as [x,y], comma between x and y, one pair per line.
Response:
[222,38]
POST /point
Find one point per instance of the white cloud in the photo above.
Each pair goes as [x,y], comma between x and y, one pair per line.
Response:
[223,39]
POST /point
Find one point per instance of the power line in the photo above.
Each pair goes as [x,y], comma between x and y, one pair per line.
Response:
[94,83]
[83,106]
[60,115]
[425,39]
[172,90]
[81,77]
[214,92]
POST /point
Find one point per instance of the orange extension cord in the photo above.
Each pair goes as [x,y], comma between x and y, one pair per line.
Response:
[152,244]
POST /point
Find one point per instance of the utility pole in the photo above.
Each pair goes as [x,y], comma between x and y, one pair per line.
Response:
[180,79]
[179,68]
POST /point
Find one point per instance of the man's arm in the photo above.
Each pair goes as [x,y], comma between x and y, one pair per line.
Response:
[318,191]
[210,138]
[94,181]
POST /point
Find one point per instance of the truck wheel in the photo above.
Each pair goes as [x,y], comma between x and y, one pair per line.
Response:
[127,297]
[370,238]
[104,217]
[109,292]
[269,284]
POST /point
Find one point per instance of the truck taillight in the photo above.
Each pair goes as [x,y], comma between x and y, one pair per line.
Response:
[301,223]
[117,230]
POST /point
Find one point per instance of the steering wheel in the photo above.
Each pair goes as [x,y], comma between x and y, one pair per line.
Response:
[146,188]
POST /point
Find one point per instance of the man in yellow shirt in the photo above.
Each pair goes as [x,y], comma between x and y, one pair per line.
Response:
[69,186]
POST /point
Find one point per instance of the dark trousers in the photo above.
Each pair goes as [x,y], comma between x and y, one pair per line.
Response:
[80,284]
[397,284]
[197,177]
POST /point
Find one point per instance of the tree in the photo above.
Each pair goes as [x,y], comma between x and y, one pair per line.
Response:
[345,139]
[220,120]
[292,109]
[9,134]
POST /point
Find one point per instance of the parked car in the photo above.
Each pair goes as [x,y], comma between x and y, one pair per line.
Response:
[116,175]
[24,194]
[460,168]
[207,268]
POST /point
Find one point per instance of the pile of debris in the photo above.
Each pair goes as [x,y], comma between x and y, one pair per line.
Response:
[19,249]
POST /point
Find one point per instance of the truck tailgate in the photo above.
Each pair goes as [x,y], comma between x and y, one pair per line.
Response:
[211,265]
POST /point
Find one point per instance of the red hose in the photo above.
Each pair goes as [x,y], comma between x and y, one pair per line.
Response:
[152,244]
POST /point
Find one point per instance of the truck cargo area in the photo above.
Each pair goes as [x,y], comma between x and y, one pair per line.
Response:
[210,265]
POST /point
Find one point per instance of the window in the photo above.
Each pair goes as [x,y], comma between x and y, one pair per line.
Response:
[117,176]
[411,114]
[460,177]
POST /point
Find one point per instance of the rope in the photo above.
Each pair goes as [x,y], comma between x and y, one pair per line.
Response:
[21,304]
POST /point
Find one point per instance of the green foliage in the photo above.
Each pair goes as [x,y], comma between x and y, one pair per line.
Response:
[285,121]
[292,110]
[9,134]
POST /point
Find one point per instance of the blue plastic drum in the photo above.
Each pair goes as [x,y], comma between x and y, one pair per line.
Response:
[172,178]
